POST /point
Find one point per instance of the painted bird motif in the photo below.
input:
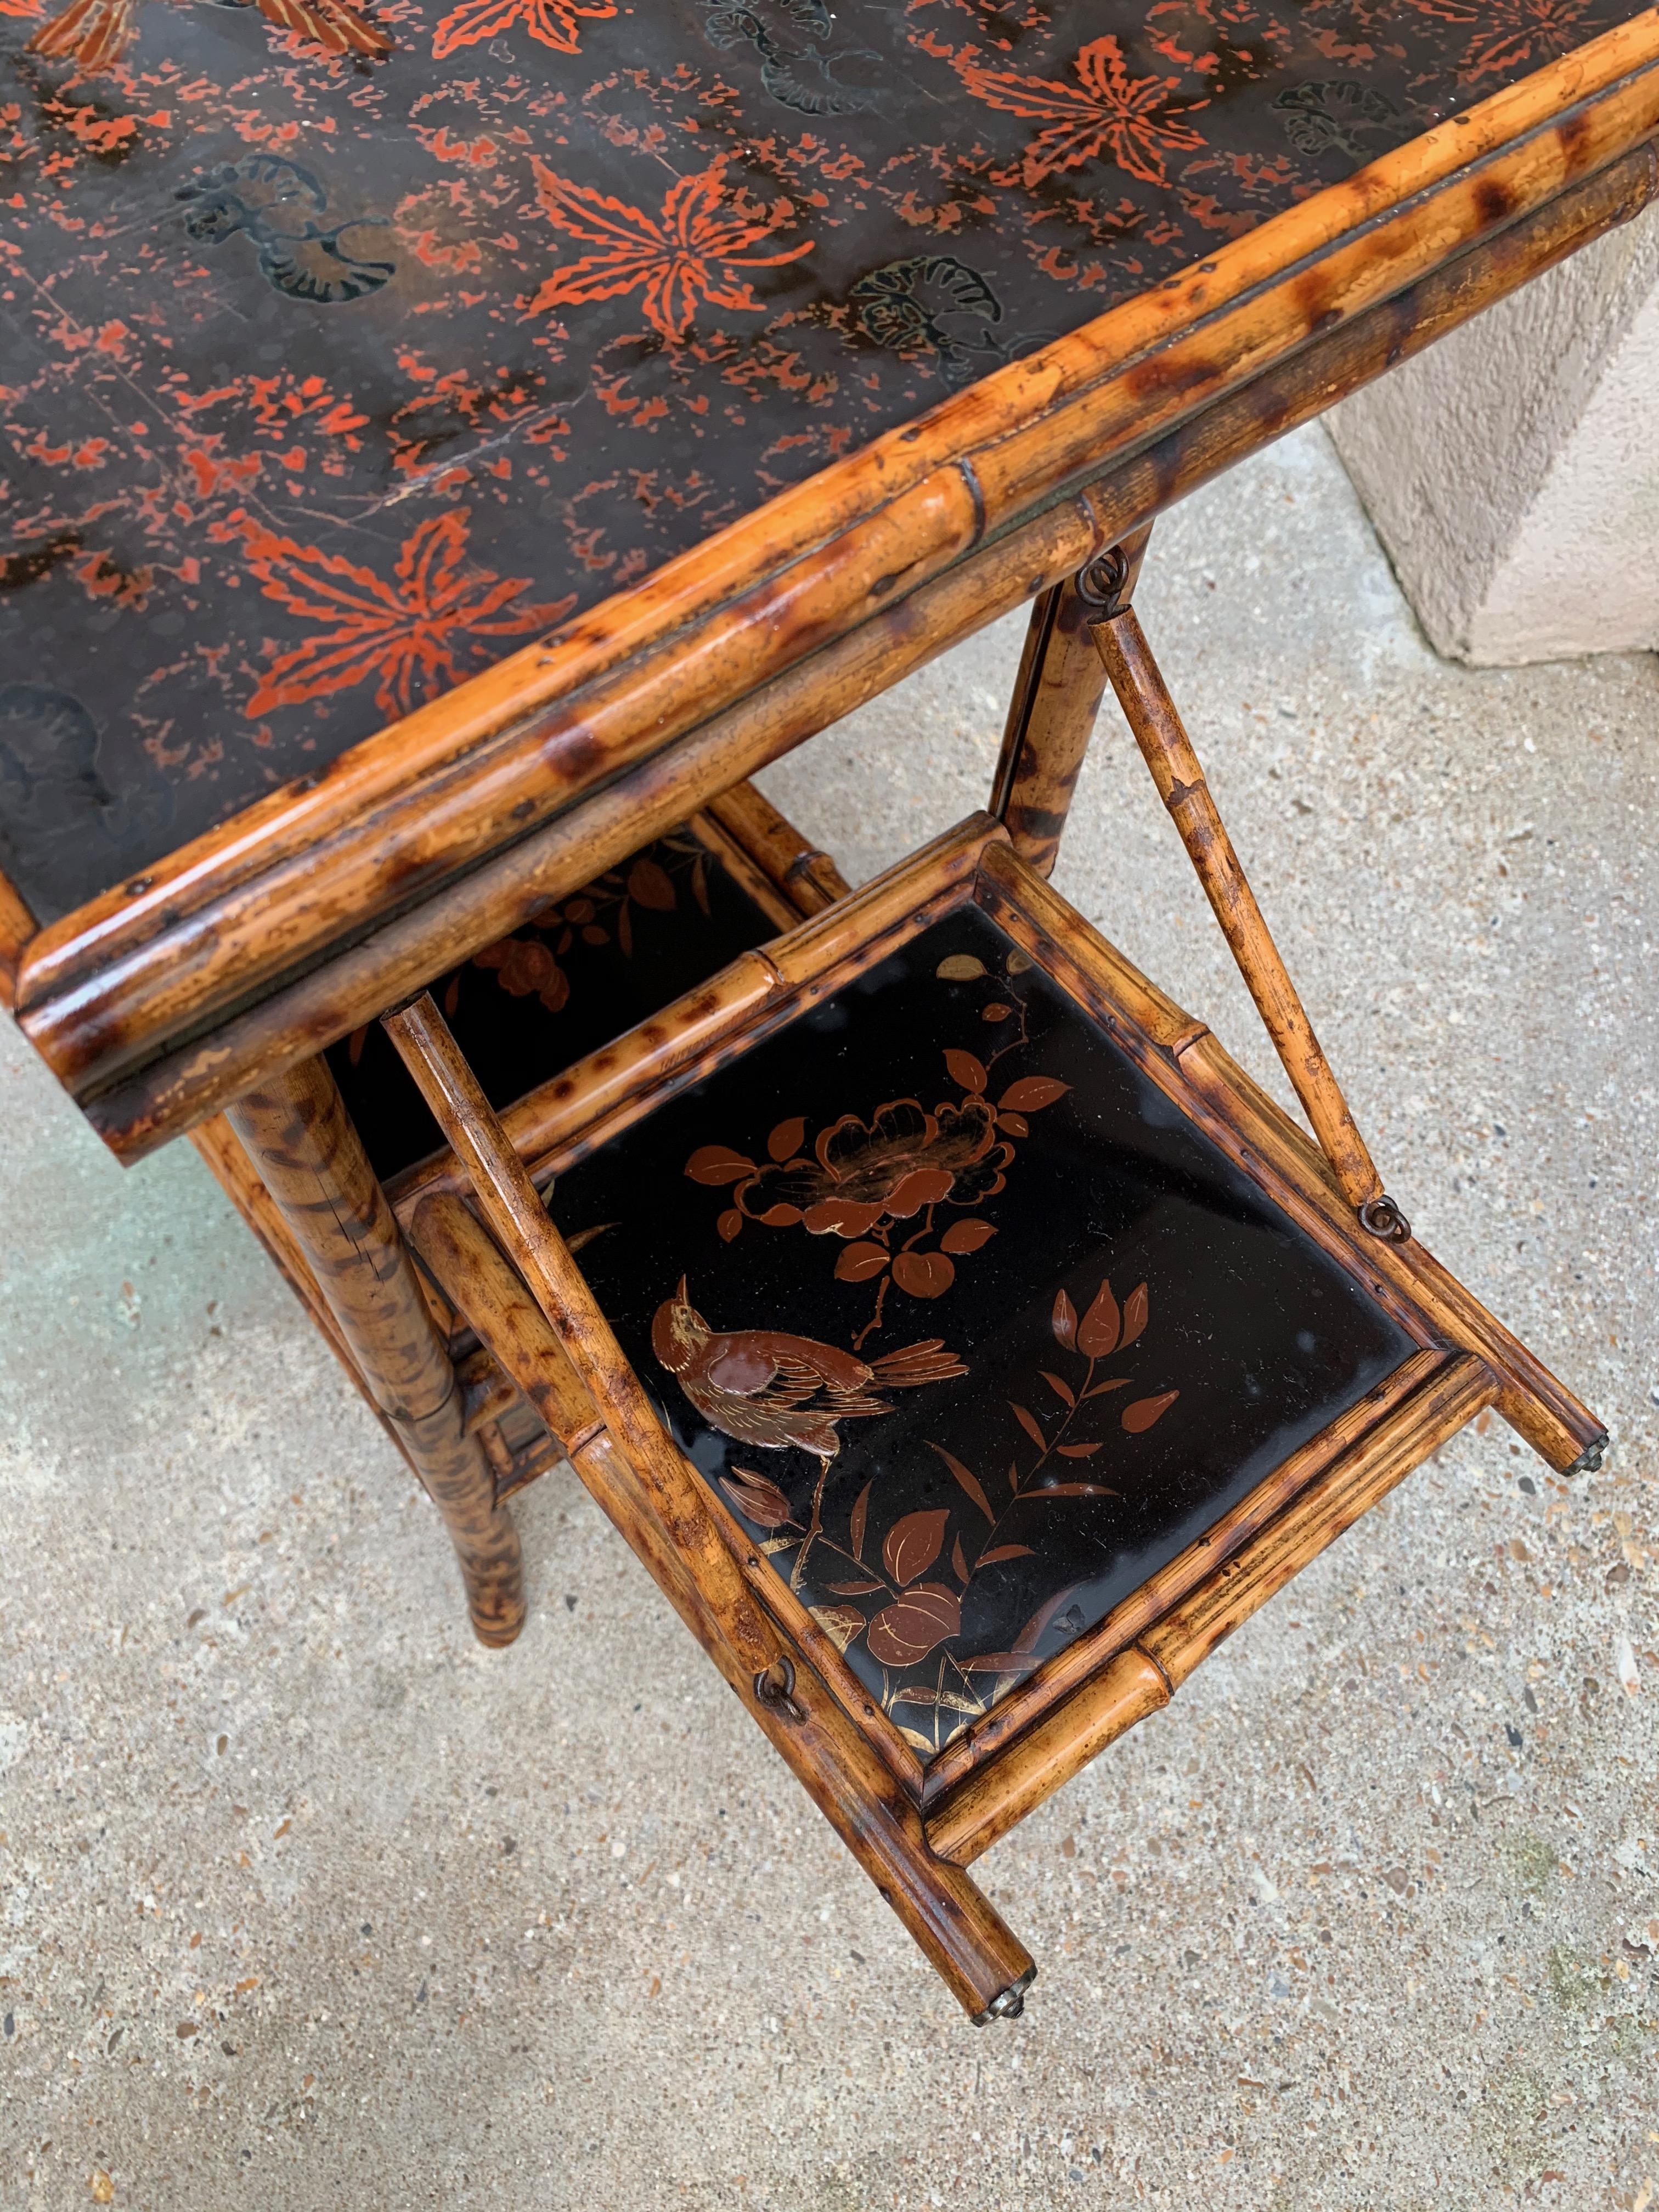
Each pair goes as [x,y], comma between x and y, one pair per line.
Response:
[97,33]
[771,1389]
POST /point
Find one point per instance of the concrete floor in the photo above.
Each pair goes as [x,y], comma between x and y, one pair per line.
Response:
[308,1900]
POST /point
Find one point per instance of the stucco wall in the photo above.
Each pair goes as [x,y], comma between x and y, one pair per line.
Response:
[1512,471]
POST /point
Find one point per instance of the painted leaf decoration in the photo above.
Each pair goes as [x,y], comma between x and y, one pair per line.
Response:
[1099,1390]
[1031,1635]
[1013,1125]
[969,1481]
[779,1217]
[856,1525]
[964,1236]
[903,1634]
[651,884]
[996,1011]
[1074,1490]
[1031,1094]
[958,1561]
[718,1163]
[997,1662]
[1134,1316]
[924,1274]
[858,1262]
[755,1497]
[831,1217]
[1027,1422]
[1097,1331]
[922,1187]
[1005,1552]
[914,1738]
[839,1623]
[700,884]
[913,1544]
[965,1070]
[1140,1417]
[729,1223]
[1078,1451]
[959,968]
[1063,1321]
[855,1589]
[1061,1389]
[785,1140]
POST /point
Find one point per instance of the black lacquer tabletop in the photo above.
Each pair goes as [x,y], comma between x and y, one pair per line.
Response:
[330,379]
[961,1317]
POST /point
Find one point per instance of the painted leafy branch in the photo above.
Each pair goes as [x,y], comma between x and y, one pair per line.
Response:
[902,1590]
[601,913]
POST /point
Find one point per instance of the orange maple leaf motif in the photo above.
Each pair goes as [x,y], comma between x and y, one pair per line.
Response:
[97,33]
[406,632]
[1108,111]
[1510,34]
[555,23]
[693,250]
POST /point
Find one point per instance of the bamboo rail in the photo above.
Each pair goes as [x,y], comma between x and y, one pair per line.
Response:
[275,890]
[1152,713]
[995,1797]
[17,927]
[186,1080]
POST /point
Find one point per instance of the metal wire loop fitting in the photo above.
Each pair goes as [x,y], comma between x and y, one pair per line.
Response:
[1381,1216]
[774,1686]
[1098,586]
[1009,2003]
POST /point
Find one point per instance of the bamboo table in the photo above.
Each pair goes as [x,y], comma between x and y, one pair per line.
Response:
[453,451]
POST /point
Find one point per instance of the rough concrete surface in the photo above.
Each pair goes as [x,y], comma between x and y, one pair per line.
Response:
[1512,471]
[310,1901]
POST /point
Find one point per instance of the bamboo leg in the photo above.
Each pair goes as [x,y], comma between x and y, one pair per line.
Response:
[557,1346]
[1152,716]
[311,1160]
[1051,716]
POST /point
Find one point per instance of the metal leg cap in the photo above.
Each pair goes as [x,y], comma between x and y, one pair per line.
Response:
[1009,2003]
[1589,1460]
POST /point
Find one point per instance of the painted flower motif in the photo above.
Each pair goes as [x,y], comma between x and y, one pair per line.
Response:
[555,23]
[408,633]
[526,968]
[903,1158]
[1107,112]
[692,251]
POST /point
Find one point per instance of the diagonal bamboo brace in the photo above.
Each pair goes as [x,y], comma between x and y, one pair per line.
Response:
[1152,714]
[559,1348]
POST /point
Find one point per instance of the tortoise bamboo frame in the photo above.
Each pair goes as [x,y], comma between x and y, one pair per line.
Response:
[199,996]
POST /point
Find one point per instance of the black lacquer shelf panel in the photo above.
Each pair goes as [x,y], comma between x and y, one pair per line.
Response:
[964,1320]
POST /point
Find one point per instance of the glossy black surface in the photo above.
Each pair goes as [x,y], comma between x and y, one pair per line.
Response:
[590,966]
[1003,1510]
[328,381]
